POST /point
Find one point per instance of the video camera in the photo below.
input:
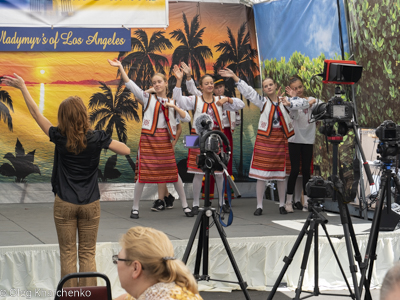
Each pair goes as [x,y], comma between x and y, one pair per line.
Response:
[211,144]
[389,139]
[318,188]
[336,109]
[337,72]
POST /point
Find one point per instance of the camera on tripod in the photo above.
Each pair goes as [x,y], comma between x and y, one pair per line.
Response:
[389,139]
[336,109]
[211,144]
[318,188]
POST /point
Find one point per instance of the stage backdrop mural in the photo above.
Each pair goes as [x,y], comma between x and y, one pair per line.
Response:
[208,35]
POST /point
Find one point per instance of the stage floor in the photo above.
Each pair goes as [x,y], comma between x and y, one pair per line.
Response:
[31,224]
[259,244]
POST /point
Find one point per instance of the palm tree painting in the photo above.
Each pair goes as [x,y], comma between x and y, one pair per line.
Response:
[21,164]
[5,106]
[143,62]
[109,111]
[191,50]
[110,172]
[237,55]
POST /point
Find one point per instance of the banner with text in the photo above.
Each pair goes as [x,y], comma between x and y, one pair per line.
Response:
[84,13]
[64,39]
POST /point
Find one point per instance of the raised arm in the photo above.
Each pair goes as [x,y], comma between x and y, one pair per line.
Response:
[247,91]
[190,85]
[116,63]
[19,83]
[187,103]
[137,91]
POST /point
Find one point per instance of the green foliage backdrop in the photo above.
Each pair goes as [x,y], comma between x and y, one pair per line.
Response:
[375,37]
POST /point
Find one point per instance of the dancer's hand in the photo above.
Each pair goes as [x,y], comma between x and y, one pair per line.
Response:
[225,72]
[115,62]
[178,72]
[291,92]
[284,101]
[312,101]
[222,101]
[16,81]
[170,104]
[150,91]
[186,69]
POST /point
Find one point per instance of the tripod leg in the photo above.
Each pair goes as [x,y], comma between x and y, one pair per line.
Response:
[357,252]
[316,260]
[307,248]
[369,254]
[205,243]
[345,223]
[288,259]
[200,247]
[337,259]
[387,192]
[192,237]
[242,283]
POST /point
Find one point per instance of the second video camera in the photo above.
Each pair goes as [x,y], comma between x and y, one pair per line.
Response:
[389,139]
[318,188]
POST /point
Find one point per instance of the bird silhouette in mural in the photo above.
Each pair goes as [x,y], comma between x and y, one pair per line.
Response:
[5,106]
[237,55]
[110,172]
[191,51]
[143,61]
[21,164]
[109,111]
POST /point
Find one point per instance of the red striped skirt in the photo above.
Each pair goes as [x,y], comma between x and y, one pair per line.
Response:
[156,159]
[270,156]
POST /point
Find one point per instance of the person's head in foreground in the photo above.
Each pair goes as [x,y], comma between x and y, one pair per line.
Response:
[390,289]
[148,269]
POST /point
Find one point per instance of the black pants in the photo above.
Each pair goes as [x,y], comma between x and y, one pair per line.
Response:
[297,152]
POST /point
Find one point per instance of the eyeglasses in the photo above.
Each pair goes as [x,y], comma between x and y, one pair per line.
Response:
[115,259]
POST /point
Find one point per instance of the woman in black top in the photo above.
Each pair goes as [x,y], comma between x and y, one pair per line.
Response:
[74,179]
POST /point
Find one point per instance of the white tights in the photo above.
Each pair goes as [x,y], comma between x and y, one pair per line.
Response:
[197,180]
[260,189]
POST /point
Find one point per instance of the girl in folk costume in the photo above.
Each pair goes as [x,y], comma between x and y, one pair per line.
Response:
[301,145]
[229,118]
[156,159]
[270,159]
[214,106]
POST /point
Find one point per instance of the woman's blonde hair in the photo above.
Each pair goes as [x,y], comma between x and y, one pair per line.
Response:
[153,249]
[391,282]
[73,123]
